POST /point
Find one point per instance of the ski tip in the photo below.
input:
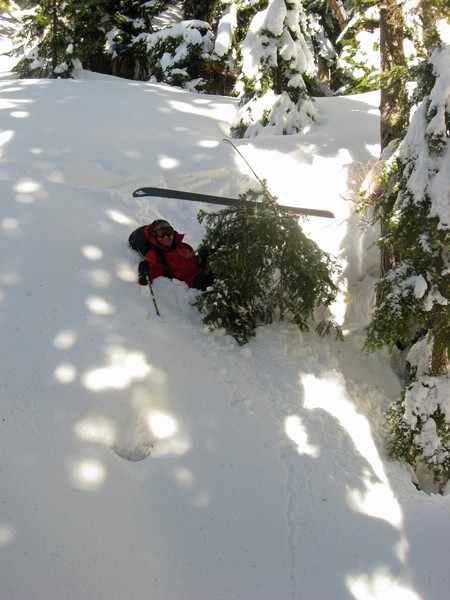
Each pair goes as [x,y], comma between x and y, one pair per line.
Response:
[307,212]
[326,214]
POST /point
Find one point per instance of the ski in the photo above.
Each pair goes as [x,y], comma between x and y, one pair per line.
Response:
[208,199]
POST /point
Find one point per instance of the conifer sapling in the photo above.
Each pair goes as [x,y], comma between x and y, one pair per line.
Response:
[265,268]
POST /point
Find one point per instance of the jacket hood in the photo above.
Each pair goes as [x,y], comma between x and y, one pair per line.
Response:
[177,237]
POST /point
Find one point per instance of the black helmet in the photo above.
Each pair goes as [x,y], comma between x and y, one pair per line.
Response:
[160,224]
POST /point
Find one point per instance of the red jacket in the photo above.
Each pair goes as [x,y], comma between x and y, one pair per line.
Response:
[180,258]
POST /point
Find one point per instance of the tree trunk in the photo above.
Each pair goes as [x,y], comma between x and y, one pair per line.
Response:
[199,9]
[430,11]
[55,37]
[393,91]
[393,117]
[340,12]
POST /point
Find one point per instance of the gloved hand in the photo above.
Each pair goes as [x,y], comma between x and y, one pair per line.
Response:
[203,254]
[144,272]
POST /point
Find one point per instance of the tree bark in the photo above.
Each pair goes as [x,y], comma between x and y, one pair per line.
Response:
[340,12]
[430,11]
[55,37]
[393,91]
[393,116]
[199,9]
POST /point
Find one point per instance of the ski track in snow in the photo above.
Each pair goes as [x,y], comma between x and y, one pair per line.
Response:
[294,411]
[252,458]
[296,402]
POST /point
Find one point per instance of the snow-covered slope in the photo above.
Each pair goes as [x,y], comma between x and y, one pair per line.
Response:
[266,478]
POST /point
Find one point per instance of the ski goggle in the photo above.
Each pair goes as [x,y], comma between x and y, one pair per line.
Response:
[164,232]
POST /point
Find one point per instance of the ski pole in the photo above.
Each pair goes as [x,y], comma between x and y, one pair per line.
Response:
[152,295]
[262,182]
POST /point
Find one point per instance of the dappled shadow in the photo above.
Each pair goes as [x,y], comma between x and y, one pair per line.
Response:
[258,481]
[98,374]
[306,169]
[132,141]
[357,116]
[74,386]
[342,510]
[59,294]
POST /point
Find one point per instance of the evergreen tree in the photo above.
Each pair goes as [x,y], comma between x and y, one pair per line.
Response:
[325,21]
[201,10]
[358,65]
[415,291]
[395,105]
[378,37]
[232,21]
[67,35]
[175,55]
[394,98]
[237,23]
[277,64]
[265,268]
[89,21]
[429,13]
[51,53]
[128,24]
[419,422]
[414,294]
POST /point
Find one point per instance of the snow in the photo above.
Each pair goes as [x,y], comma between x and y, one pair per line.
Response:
[144,456]
[225,29]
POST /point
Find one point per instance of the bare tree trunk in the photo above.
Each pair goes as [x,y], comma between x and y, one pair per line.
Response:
[393,91]
[55,37]
[199,9]
[393,117]
[429,12]
[340,12]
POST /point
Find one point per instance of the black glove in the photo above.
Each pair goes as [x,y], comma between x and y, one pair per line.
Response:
[203,254]
[144,272]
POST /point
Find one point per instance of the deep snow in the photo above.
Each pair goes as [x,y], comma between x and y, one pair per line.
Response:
[268,479]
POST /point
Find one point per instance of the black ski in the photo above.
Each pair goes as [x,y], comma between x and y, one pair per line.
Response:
[208,199]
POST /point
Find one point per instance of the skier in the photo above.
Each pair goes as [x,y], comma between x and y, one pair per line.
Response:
[170,256]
